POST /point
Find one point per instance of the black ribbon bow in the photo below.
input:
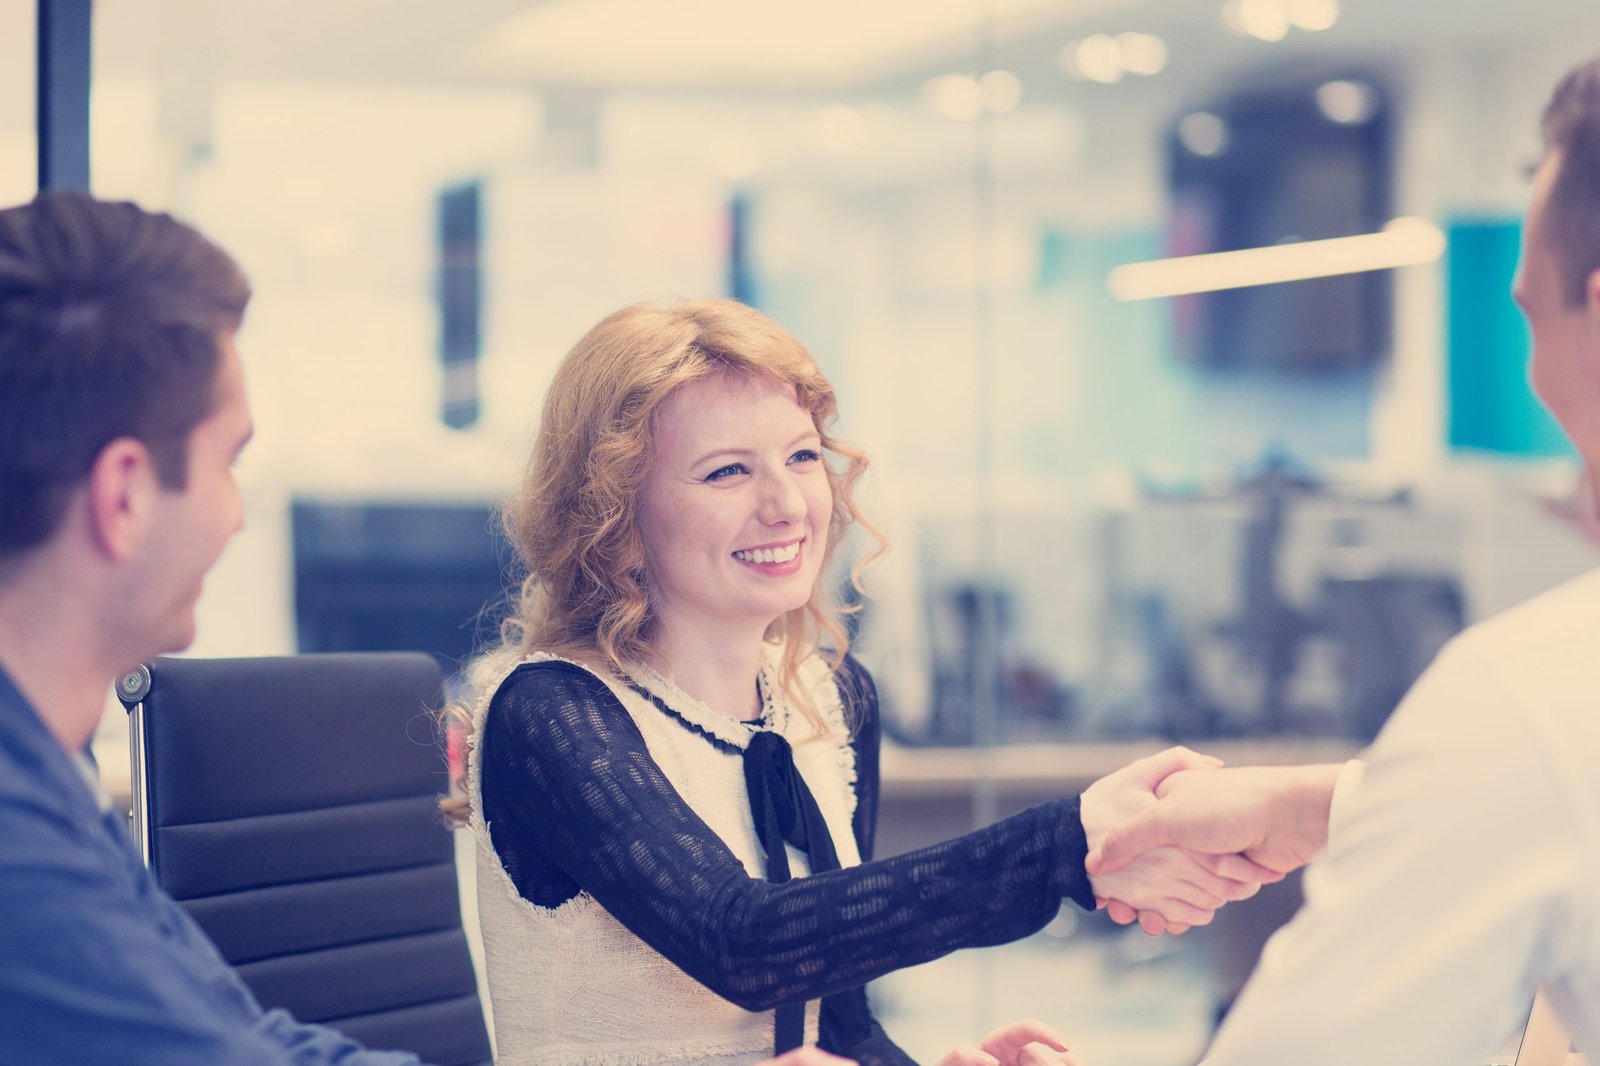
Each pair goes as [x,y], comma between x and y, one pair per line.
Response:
[784,809]
[785,812]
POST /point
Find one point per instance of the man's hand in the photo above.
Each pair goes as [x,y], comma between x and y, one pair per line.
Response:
[1023,1043]
[1170,889]
[1275,816]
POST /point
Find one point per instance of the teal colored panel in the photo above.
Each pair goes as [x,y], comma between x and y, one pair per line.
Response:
[1492,407]
[1053,265]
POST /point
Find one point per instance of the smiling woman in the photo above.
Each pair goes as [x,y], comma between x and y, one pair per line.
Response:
[645,422]
[672,771]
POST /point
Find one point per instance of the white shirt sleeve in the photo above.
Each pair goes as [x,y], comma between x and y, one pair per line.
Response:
[1426,922]
[1345,789]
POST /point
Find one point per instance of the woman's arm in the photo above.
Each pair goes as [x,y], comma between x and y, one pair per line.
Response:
[569,788]
[848,1027]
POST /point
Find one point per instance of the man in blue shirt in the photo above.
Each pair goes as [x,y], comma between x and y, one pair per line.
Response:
[122,408]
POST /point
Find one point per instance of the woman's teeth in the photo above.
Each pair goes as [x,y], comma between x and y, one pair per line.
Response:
[769,555]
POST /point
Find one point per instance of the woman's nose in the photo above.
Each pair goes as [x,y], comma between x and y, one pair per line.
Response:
[781,501]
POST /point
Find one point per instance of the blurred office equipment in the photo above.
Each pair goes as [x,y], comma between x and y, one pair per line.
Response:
[1031,701]
[290,805]
[1268,627]
[1276,602]
[922,631]
[372,576]
[1324,606]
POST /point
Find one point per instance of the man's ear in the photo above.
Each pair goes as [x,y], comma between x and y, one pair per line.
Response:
[1591,295]
[122,487]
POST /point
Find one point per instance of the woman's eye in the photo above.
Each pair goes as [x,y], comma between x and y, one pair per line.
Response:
[725,471]
[805,455]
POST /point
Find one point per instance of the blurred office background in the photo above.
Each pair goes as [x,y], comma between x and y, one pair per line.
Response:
[1244,520]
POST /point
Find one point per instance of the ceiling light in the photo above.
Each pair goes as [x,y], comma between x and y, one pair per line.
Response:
[726,42]
[1348,103]
[1203,134]
[1100,59]
[1068,61]
[1230,18]
[1267,20]
[1314,14]
[954,96]
[1403,242]
[1000,91]
[1142,53]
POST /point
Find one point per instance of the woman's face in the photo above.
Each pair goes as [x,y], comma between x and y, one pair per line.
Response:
[735,511]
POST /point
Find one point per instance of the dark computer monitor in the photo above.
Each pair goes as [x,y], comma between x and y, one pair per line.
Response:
[1260,168]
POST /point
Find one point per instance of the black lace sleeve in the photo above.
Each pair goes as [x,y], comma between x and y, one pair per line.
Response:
[573,800]
[860,697]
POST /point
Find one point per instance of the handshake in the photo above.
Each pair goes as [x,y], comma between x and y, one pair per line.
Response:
[1174,836]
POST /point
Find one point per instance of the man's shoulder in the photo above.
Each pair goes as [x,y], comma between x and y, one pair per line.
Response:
[1554,630]
[34,808]
[1526,679]
[25,782]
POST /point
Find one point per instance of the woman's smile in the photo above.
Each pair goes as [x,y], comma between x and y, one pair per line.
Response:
[776,559]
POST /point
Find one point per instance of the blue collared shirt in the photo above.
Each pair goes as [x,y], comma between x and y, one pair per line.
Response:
[97,963]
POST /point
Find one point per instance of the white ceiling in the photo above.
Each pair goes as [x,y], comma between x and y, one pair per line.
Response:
[821,46]
[832,50]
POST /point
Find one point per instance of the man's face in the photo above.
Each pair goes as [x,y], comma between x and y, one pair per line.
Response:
[191,526]
[1565,367]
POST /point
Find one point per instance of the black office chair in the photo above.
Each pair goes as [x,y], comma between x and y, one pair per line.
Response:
[290,805]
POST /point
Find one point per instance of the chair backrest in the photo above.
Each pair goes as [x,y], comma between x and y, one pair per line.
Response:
[290,806]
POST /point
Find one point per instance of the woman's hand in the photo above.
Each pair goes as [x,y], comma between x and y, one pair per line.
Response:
[1169,889]
[1023,1043]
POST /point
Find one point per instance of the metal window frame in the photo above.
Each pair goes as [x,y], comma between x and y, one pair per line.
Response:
[64,70]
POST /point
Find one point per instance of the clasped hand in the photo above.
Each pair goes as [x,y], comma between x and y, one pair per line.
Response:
[1166,887]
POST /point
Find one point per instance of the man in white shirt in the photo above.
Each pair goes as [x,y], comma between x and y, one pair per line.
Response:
[1463,864]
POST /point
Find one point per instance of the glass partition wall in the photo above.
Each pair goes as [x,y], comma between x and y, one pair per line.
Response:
[1239,519]
[19,163]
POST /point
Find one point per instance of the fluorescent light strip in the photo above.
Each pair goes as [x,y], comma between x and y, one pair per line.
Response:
[1402,242]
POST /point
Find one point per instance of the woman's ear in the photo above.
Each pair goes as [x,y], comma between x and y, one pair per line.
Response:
[121,496]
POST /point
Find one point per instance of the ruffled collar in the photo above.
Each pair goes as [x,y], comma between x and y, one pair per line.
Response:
[776,715]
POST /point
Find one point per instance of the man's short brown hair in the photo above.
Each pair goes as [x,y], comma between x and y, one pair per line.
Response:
[1571,126]
[110,325]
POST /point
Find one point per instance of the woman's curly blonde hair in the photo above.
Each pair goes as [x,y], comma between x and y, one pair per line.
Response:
[574,522]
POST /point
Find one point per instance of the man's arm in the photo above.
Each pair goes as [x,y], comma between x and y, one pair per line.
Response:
[97,966]
[1429,920]
[1277,816]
